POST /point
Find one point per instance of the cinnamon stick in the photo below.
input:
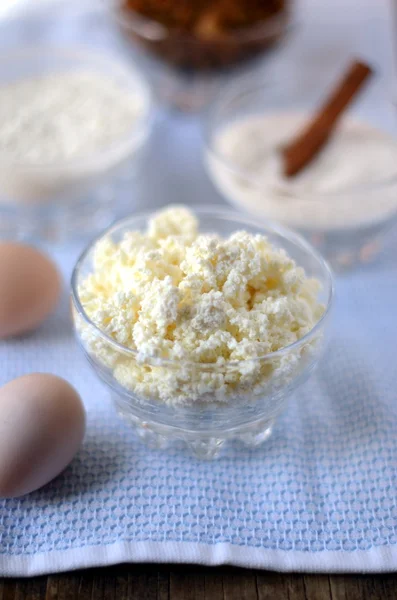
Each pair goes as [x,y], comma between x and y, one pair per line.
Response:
[303,149]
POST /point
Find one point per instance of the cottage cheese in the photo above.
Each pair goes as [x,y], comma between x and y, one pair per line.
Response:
[210,305]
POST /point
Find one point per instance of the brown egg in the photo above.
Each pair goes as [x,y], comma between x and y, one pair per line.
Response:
[30,287]
[42,424]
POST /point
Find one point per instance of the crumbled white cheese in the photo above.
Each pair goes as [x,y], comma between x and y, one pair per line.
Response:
[213,306]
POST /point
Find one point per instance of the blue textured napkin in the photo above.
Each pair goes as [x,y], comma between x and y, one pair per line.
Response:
[320,495]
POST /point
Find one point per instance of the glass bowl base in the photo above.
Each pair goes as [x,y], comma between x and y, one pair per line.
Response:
[346,250]
[74,217]
[56,226]
[203,445]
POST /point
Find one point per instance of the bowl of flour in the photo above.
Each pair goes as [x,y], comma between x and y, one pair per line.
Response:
[73,127]
[343,201]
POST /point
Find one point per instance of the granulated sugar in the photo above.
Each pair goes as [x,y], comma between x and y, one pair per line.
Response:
[344,187]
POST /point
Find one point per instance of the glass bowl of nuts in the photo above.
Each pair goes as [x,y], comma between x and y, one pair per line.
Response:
[201,324]
[189,48]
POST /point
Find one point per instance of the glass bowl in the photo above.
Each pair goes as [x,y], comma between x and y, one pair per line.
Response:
[204,422]
[348,224]
[53,200]
[187,70]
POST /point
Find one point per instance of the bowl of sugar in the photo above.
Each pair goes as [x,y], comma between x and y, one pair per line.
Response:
[344,202]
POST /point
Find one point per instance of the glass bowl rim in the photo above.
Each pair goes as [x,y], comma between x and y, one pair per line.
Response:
[248,86]
[220,212]
[117,65]
[156,31]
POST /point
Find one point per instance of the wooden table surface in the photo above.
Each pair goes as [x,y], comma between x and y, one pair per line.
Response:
[187,582]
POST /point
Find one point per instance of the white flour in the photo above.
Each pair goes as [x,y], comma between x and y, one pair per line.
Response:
[62,130]
[340,189]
